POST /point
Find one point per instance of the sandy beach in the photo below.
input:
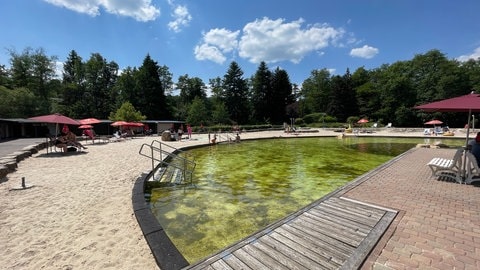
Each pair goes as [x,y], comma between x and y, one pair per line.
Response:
[78,214]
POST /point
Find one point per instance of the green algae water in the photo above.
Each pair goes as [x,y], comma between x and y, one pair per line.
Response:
[242,187]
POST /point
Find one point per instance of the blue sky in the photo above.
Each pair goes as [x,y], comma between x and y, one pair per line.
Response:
[201,37]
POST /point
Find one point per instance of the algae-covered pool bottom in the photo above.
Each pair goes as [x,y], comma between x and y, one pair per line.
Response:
[243,187]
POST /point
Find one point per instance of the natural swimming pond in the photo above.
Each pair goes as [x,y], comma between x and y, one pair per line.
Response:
[241,188]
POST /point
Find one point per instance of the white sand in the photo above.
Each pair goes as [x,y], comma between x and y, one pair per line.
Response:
[79,213]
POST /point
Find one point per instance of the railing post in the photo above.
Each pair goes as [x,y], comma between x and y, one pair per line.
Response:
[153,160]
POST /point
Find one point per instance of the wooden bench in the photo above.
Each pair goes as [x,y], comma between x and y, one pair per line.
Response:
[449,168]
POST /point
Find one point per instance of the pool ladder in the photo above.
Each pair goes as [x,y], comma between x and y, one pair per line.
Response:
[168,166]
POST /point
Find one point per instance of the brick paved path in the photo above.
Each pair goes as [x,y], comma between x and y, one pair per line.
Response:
[439,223]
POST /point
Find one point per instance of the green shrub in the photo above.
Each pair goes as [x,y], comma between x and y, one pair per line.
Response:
[313,118]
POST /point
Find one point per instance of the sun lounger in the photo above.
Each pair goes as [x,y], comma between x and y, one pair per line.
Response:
[473,171]
[449,168]
[117,138]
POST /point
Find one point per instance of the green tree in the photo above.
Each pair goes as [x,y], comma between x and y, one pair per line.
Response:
[5,79]
[150,92]
[396,93]
[316,92]
[368,98]
[219,113]
[236,94]
[197,112]
[471,69]
[124,89]
[191,88]
[282,96]
[127,112]
[344,101]
[261,94]
[435,77]
[17,103]
[100,78]
[73,85]
[34,70]
[166,79]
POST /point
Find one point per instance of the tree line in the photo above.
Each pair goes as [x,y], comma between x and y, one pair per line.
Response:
[96,87]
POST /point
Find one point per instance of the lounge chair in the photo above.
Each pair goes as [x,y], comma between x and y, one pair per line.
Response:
[117,138]
[449,168]
[473,170]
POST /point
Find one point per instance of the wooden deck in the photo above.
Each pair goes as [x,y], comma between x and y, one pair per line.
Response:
[335,233]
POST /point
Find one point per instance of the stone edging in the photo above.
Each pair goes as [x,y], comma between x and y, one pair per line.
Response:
[9,163]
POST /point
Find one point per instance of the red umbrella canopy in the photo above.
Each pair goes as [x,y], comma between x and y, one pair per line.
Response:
[89,121]
[466,103]
[85,126]
[119,123]
[362,121]
[55,118]
[134,124]
[434,122]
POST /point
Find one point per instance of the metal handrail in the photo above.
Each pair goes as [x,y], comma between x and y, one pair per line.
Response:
[188,165]
[228,138]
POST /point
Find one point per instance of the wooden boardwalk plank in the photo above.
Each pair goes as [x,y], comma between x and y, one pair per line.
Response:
[339,221]
[337,225]
[323,260]
[350,237]
[288,256]
[358,208]
[264,257]
[249,260]
[323,245]
[338,211]
[234,262]
[333,233]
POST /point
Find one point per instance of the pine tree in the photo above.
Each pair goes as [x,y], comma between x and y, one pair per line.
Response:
[236,94]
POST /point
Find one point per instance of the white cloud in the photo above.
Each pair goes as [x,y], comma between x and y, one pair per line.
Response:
[275,40]
[475,55]
[208,52]
[271,40]
[140,10]
[181,18]
[215,44]
[224,39]
[364,52]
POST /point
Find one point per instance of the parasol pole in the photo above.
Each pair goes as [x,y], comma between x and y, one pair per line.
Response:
[466,145]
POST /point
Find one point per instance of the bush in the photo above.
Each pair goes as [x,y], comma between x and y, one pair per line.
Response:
[313,118]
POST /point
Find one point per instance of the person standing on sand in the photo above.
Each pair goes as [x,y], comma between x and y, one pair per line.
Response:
[180,132]
[189,131]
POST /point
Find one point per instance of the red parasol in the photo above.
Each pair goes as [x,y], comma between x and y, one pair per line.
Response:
[85,126]
[55,118]
[434,122]
[89,121]
[119,123]
[466,103]
[362,121]
[134,124]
